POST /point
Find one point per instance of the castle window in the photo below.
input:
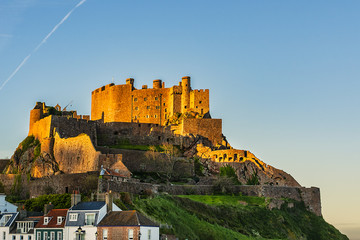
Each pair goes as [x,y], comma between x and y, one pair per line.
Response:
[165,110]
[225,156]
[147,116]
[157,107]
[155,116]
[185,107]
[235,157]
[156,98]
[200,102]
[147,107]
[164,104]
[196,106]
[136,108]
[230,158]
[145,99]
[135,99]
[220,158]
[165,116]
[202,111]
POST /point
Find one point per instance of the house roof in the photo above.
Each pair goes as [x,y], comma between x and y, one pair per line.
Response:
[88,206]
[11,220]
[54,214]
[126,218]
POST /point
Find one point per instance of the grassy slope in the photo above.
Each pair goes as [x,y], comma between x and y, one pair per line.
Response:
[228,217]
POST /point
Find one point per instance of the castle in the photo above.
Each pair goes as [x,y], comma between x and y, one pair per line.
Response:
[124,123]
[122,114]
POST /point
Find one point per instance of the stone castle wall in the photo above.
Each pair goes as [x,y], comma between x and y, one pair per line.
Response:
[208,128]
[310,196]
[124,103]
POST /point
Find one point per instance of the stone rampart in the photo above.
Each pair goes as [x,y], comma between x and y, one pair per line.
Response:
[62,183]
[207,128]
[310,196]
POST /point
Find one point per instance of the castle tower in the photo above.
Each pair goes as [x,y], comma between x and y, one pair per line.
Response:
[35,115]
[130,81]
[157,84]
[185,96]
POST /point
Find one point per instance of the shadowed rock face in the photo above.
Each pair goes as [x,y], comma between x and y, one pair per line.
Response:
[265,174]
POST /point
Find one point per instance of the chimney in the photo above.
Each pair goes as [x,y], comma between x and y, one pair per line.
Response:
[75,198]
[47,208]
[108,201]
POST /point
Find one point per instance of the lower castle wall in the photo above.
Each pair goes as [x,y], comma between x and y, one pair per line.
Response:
[208,128]
[134,133]
[310,196]
[78,155]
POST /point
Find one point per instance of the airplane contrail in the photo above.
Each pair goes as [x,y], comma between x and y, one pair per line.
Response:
[41,43]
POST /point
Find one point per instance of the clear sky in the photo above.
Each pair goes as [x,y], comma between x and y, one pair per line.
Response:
[283,75]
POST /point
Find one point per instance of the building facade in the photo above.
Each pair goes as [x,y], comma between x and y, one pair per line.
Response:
[51,226]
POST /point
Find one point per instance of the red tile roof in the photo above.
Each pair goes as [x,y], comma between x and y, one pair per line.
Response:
[54,214]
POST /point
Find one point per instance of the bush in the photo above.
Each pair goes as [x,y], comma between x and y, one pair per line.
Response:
[253,180]
[199,168]
[229,172]
[60,201]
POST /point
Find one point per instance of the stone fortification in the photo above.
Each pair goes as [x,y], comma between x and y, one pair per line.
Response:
[125,103]
[310,196]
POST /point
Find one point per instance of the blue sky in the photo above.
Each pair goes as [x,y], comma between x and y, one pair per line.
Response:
[283,75]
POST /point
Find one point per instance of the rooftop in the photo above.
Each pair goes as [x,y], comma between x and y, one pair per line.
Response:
[126,218]
[88,206]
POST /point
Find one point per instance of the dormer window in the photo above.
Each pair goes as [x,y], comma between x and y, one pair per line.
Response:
[59,220]
[73,217]
[46,220]
[89,218]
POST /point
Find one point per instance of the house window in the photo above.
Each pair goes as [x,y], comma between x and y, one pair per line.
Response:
[46,220]
[130,234]
[59,235]
[165,109]
[136,108]
[13,237]
[200,102]
[105,234]
[4,235]
[235,157]
[147,107]
[165,116]
[73,217]
[59,220]
[149,234]
[135,99]
[147,116]
[157,107]
[29,237]
[38,236]
[52,236]
[164,103]
[45,235]
[145,99]
[89,218]
[156,98]
[155,116]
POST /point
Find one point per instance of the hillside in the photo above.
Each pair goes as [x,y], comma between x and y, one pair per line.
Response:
[235,217]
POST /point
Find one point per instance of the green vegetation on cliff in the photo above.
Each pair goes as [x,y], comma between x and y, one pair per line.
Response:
[235,217]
